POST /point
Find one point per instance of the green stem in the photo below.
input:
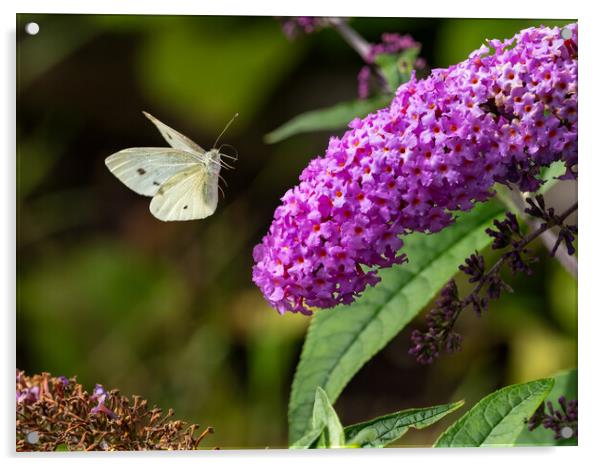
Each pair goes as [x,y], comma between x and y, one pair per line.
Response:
[360,45]
[351,36]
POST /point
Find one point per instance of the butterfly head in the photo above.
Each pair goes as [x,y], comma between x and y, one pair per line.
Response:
[213,160]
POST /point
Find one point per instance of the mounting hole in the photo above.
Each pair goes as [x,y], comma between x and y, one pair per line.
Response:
[32,28]
[566,33]
[566,432]
[32,437]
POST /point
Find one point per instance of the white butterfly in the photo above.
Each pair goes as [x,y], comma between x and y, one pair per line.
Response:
[181,179]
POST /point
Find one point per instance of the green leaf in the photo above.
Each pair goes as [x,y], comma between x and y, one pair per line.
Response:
[309,440]
[406,63]
[397,69]
[341,340]
[387,64]
[384,430]
[499,418]
[331,118]
[565,384]
[325,418]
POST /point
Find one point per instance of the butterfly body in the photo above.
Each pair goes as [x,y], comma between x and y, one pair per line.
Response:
[183,179]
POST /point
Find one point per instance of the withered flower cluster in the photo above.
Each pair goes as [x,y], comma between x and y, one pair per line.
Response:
[562,421]
[56,413]
[506,235]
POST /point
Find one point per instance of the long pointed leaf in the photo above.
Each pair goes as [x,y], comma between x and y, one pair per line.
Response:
[384,430]
[309,440]
[332,118]
[498,419]
[325,416]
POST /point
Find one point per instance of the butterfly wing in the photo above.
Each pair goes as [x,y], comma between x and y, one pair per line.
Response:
[173,138]
[188,195]
[145,169]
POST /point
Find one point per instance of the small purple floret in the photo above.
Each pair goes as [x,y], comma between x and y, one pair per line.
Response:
[101,396]
[63,380]
[28,395]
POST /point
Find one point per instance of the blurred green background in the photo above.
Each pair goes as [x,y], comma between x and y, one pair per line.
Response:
[168,311]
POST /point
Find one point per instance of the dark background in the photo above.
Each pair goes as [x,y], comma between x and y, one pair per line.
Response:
[168,310]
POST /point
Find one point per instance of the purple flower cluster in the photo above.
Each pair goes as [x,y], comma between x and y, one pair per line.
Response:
[499,116]
[296,25]
[392,43]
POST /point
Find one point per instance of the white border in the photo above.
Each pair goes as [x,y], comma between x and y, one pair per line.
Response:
[590,321]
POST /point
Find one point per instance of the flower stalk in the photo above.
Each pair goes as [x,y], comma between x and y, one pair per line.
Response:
[352,37]
[440,334]
[516,200]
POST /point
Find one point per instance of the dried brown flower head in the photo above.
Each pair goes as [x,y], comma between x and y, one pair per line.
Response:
[56,413]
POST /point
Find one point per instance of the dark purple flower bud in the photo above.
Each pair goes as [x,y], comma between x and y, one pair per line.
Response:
[63,380]
[505,232]
[420,63]
[474,267]
[363,82]
[520,260]
[453,343]
[495,286]
[439,334]
[479,303]
[537,208]
[562,422]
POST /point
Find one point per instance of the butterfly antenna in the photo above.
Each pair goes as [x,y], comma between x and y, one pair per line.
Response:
[225,164]
[222,164]
[235,158]
[224,130]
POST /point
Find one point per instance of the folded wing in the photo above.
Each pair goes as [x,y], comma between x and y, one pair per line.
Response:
[188,195]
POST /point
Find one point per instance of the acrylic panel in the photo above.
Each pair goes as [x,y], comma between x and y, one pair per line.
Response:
[295,232]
